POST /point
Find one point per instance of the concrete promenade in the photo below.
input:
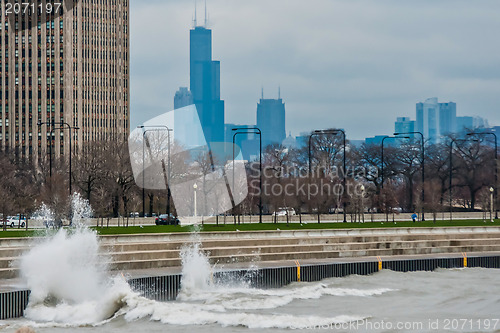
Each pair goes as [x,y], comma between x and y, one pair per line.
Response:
[159,254]
[307,218]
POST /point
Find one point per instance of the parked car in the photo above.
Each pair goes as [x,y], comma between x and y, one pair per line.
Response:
[3,221]
[165,219]
[283,211]
[54,224]
[18,221]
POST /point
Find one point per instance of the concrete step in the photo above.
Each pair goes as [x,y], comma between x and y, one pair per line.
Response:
[230,252]
[146,253]
[151,246]
[303,255]
[8,273]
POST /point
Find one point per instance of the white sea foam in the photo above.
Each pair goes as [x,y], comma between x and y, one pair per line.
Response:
[67,276]
[71,286]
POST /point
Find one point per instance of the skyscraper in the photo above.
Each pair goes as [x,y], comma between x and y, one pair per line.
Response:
[183,97]
[271,120]
[404,125]
[69,65]
[435,119]
[205,84]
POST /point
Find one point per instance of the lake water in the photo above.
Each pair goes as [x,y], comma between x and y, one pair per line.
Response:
[71,292]
[461,300]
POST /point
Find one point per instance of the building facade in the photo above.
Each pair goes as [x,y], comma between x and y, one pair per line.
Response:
[68,65]
[205,84]
[404,125]
[271,120]
[435,120]
[183,97]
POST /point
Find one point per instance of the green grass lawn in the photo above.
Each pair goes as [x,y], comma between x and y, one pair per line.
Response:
[11,233]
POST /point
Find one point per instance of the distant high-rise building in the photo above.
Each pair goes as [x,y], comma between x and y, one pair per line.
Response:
[205,84]
[290,141]
[71,66]
[404,125]
[435,119]
[271,120]
[465,124]
[183,97]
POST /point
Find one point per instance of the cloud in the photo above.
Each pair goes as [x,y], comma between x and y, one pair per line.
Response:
[353,64]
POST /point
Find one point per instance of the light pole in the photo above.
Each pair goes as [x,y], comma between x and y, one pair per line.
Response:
[451,173]
[382,168]
[382,164]
[335,131]
[53,129]
[70,128]
[496,164]
[153,129]
[195,187]
[50,143]
[423,168]
[492,193]
[254,130]
[362,188]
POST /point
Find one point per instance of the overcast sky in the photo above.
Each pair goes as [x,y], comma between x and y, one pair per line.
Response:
[353,64]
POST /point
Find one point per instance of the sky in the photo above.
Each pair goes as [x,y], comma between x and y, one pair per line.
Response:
[352,64]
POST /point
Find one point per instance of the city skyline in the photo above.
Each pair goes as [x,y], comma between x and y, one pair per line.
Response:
[337,61]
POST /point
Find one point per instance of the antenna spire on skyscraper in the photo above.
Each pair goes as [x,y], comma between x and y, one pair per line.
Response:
[206,25]
[279,92]
[195,22]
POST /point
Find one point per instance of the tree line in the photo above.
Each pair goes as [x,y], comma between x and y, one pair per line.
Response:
[310,179]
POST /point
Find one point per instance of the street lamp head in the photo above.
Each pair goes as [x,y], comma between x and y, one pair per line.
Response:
[492,189]
[195,186]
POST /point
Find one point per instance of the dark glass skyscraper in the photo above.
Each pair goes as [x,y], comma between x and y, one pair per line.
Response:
[271,120]
[205,84]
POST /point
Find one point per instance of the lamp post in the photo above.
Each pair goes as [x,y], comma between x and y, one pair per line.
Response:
[496,164]
[382,166]
[363,189]
[492,193]
[451,172]
[344,176]
[153,129]
[50,143]
[195,187]
[252,130]
[383,141]
[70,128]
[423,167]
[53,129]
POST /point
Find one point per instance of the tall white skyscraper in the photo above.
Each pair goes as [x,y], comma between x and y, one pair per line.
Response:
[435,120]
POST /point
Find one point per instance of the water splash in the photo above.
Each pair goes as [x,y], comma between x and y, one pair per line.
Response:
[68,274]
[81,211]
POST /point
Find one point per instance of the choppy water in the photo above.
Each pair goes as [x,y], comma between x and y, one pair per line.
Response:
[71,293]
[469,298]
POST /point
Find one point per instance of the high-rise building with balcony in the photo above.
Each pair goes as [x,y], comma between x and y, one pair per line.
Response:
[68,63]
